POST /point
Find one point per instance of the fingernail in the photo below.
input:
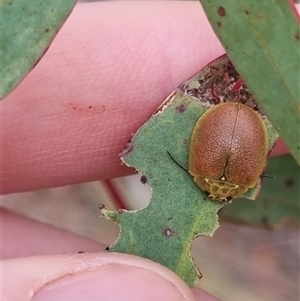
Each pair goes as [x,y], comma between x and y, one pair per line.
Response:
[111,282]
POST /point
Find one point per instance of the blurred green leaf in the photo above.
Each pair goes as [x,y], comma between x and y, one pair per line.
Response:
[262,39]
[278,200]
[27,28]
[179,211]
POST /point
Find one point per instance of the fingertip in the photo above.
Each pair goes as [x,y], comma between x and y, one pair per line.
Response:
[204,296]
[71,116]
[108,276]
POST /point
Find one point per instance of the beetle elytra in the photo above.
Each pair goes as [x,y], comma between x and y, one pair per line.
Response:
[228,150]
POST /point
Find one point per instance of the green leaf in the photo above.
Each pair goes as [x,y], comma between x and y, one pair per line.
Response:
[262,39]
[179,211]
[278,200]
[27,28]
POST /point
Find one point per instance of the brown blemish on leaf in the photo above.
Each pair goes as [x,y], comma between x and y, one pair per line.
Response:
[47,30]
[127,149]
[143,179]
[261,16]
[297,36]
[180,109]
[220,83]
[219,24]
[169,232]
[289,183]
[221,11]
[247,12]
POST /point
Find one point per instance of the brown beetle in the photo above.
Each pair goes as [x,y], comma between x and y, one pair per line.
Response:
[228,150]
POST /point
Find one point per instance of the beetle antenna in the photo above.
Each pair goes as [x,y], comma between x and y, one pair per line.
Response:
[176,162]
[267,176]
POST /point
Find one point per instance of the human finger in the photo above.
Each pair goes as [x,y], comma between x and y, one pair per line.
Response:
[106,72]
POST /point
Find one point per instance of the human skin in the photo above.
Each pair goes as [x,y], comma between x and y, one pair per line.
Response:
[108,69]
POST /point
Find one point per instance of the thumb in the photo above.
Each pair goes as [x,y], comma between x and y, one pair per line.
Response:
[32,269]
[105,276]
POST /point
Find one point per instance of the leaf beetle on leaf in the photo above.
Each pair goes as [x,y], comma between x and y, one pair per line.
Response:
[228,150]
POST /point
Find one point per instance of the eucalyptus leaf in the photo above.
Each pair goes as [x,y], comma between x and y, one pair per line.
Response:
[179,211]
[262,39]
[27,29]
[278,200]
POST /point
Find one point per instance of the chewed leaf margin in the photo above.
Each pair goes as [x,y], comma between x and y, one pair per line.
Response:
[178,211]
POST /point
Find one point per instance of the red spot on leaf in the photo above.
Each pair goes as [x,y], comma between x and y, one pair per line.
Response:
[221,11]
[180,109]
